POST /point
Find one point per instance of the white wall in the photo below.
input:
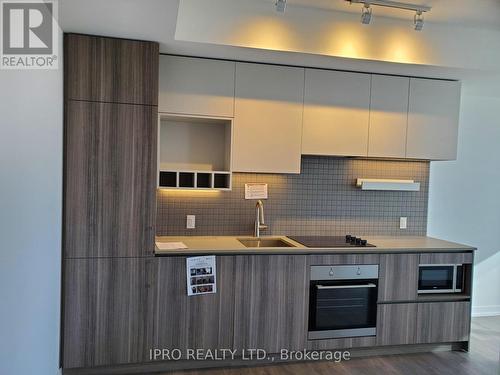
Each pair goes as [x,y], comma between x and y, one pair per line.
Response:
[316,31]
[30,220]
[464,203]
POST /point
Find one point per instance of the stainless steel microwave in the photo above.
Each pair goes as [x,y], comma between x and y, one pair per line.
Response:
[440,278]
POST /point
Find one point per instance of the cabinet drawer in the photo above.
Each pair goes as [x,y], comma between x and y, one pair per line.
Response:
[446,258]
[443,322]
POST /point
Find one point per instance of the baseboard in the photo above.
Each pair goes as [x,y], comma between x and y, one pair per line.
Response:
[493,310]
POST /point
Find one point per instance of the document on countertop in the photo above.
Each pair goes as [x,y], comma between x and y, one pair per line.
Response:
[171,245]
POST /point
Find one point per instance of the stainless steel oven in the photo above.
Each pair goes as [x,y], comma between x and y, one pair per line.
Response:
[440,278]
[343,301]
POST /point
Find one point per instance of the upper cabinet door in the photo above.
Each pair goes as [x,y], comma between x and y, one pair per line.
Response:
[388,116]
[111,70]
[336,113]
[268,118]
[433,119]
[196,86]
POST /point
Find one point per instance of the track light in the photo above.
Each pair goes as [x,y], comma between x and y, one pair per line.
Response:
[280,6]
[366,14]
[418,20]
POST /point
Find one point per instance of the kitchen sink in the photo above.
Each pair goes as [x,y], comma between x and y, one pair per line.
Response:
[264,242]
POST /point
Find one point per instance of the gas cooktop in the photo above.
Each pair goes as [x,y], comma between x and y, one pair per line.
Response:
[331,241]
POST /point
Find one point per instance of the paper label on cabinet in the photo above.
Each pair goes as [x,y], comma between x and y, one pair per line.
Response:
[171,245]
[256,191]
[200,275]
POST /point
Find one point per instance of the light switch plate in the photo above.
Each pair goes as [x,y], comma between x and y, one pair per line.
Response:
[403,222]
[190,221]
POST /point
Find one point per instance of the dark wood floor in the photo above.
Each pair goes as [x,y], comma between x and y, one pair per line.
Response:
[483,359]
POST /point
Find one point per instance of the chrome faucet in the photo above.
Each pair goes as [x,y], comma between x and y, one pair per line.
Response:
[259,218]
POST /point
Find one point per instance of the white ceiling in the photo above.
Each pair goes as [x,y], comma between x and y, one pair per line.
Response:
[471,13]
[156,20]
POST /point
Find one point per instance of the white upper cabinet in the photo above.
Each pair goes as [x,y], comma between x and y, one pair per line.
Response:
[433,119]
[268,118]
[336,113]
[388,116]
[196,86]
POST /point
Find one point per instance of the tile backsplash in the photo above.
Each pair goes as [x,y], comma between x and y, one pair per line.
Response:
[322,200]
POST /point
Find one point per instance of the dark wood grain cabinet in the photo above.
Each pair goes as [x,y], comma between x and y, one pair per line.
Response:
[111,69]
[396,323]
[446,258]
[270,302]
[193,322]
[110,179]
[107,311]
[398,277]
[443,322]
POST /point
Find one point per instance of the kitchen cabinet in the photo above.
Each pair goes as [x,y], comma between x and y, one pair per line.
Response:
[388,116]
[193,322]
[110,69]
[109,179]
[270,302]
[396,323]
[398,277]
[267,118]
[446,258]
[107,315]
[196,86]
[443,322]
[336,113]
[433,119]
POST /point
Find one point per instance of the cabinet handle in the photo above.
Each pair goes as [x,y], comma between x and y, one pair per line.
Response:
[345,286]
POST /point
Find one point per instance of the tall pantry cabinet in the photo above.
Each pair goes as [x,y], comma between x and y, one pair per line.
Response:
[110,141]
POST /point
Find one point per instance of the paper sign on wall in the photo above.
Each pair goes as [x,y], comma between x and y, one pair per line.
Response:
[200,272]
[256,191]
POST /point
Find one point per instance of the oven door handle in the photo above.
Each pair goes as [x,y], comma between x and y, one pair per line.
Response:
[345,286]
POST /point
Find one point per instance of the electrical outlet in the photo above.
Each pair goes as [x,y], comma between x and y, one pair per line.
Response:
[403,222]
[190,221]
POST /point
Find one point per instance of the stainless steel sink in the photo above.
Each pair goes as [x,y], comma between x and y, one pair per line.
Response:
[264,242]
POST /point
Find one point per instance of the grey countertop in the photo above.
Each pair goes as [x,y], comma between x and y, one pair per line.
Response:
[229,245]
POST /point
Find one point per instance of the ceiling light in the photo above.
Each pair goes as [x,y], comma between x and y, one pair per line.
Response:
[280,6]
[367,11]
[418,20]
[366,14]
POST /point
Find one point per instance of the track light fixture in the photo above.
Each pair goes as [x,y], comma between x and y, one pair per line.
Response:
[418,20]
[366,14]
[280,6]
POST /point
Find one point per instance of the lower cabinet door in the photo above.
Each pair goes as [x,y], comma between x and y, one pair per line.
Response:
[396,323]
[271,302]
[398,277]
[193,322]
[107,311]
[443,322]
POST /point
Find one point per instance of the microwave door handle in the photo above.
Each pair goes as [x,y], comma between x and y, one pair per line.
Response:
[345,286]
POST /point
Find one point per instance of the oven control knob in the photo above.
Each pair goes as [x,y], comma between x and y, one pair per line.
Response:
[331,272]
[358,272]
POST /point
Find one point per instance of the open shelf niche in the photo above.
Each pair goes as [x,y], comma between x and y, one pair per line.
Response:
[194,152]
